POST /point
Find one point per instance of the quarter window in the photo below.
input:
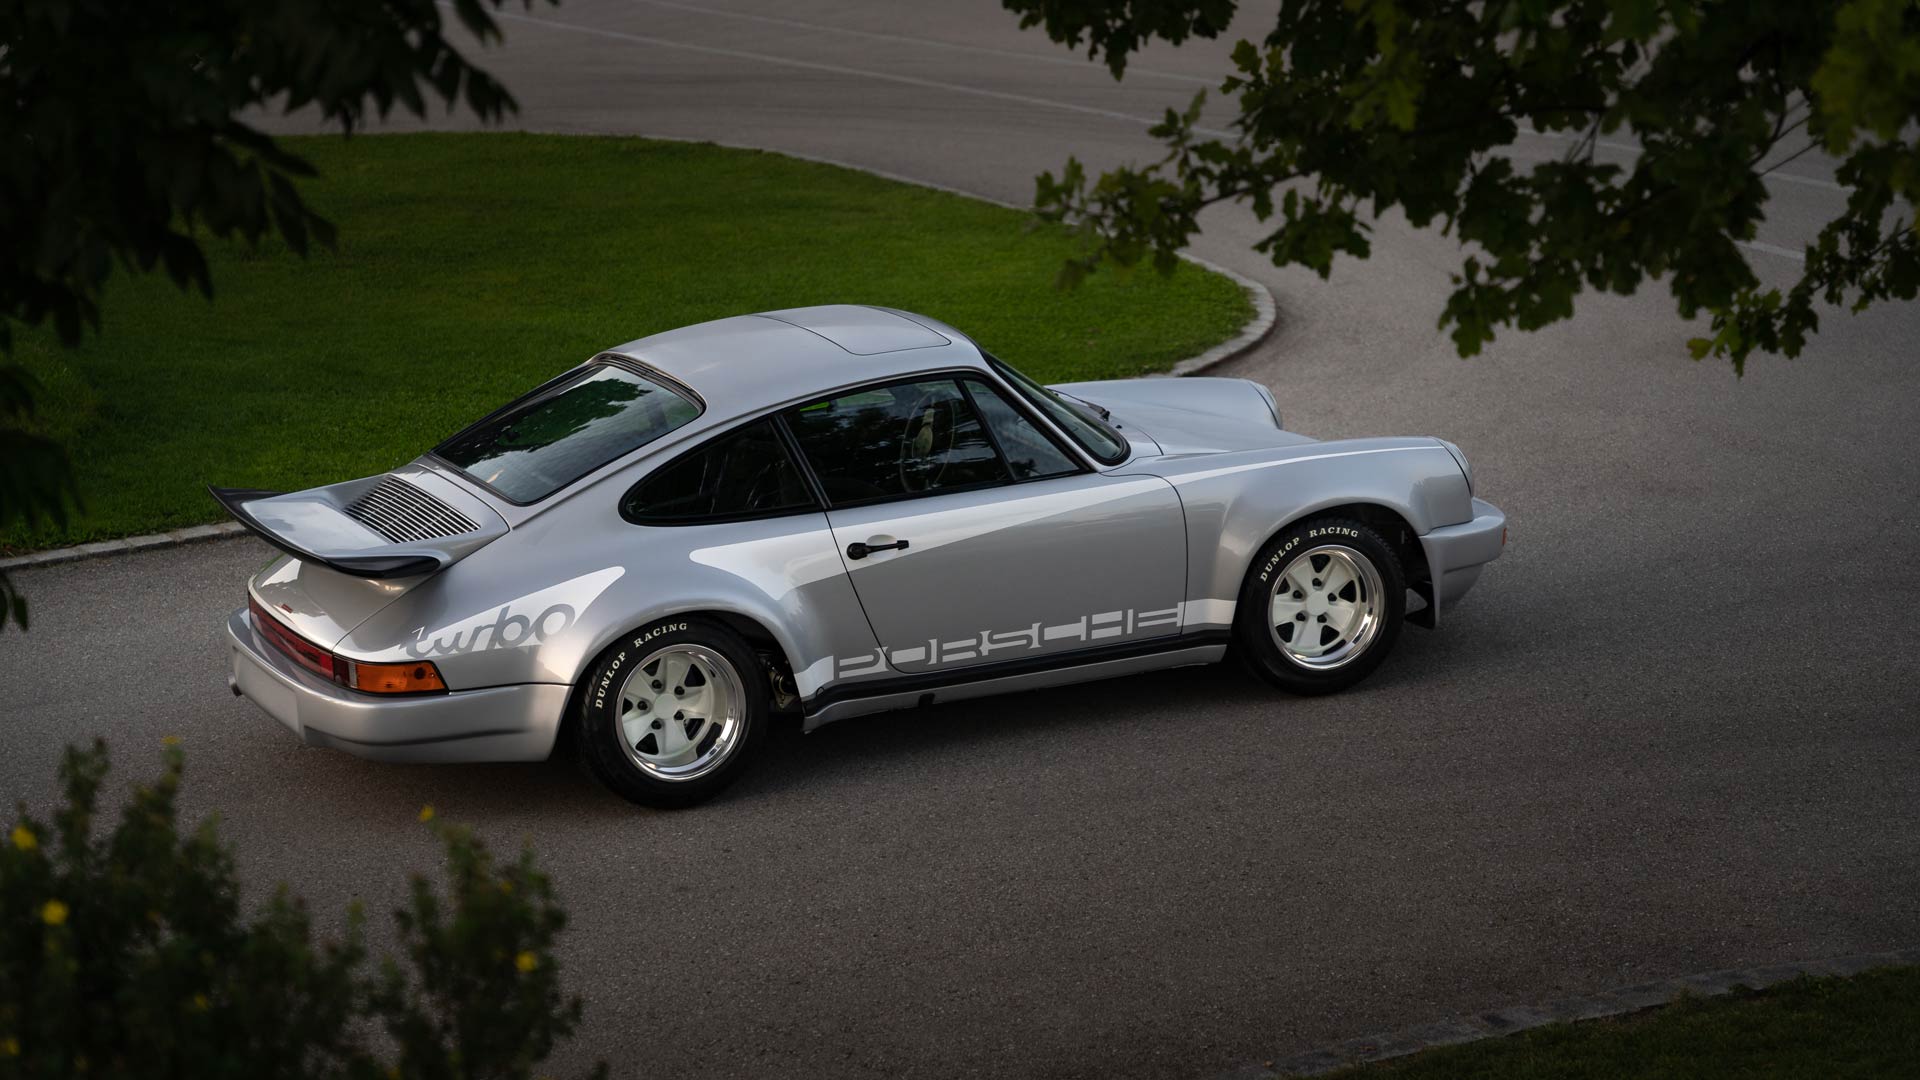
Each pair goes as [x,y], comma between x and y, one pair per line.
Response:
[746,473]
[1029,453]
[894,441]
[1092,433]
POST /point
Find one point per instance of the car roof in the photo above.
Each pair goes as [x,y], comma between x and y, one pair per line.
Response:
[747,363]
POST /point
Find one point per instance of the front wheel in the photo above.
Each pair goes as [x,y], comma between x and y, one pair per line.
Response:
[1321,606]
[672,712]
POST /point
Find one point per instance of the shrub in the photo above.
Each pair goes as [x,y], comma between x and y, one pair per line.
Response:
[129,954]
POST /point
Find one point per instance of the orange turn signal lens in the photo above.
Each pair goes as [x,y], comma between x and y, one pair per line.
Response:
[417,677]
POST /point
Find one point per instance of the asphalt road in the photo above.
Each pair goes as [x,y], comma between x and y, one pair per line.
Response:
[1674,728]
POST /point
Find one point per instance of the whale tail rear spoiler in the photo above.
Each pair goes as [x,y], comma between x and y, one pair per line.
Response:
[396,525]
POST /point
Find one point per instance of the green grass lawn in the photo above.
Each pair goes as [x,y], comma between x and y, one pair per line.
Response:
[1829,1029]
[471,267]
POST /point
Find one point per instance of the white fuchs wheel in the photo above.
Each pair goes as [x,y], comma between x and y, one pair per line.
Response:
[1324,608]
[681,712]
[1321,606]
[672,712]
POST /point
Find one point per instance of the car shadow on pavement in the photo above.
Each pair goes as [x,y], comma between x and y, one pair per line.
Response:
[935,743]
[1055,722]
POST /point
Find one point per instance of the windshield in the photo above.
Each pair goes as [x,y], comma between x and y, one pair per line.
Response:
[560,433]
[1094,436]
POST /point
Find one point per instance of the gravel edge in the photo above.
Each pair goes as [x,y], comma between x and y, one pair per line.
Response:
[1616,1002]
[1255,332]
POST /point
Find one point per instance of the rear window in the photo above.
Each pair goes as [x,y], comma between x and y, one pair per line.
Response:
[560,433]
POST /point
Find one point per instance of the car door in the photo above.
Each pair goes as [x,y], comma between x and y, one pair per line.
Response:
[973,536]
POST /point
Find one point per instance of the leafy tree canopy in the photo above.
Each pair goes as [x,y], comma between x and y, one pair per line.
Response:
[1351,108]
[125,140]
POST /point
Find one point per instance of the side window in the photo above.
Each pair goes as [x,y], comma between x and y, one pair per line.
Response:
[904,439]
[744,473]
[1029,453]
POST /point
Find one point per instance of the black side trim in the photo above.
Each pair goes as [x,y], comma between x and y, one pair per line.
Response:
[934,681]
[234,500]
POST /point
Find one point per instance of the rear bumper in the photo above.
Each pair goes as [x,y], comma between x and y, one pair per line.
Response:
[502,723]
[1457,553]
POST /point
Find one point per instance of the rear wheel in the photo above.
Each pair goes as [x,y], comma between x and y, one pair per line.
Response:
[672,713]
[1321,607]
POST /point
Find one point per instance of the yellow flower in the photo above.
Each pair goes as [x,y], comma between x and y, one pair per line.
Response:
[170,740]
[9,1047]
[53,913]
[24,839]
[426,812]
[507,887]
[526,962]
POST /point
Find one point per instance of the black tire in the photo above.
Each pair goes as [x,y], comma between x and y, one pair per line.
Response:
[602,738]
[1261,646]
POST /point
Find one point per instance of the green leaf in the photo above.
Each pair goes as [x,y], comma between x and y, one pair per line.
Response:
[1393,106]
[122,144]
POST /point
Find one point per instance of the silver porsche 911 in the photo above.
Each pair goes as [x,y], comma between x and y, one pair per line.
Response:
[828,511]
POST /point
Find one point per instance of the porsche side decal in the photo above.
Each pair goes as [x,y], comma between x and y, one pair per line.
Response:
[1087,629]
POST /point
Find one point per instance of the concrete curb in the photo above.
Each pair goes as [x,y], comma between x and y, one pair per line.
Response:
[1250,335]
[125,545]
[1508,1021]
[1265,317]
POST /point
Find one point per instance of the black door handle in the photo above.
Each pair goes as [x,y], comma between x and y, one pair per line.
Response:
[858,550]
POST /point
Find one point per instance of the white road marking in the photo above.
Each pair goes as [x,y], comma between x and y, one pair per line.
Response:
[932,43]
[841,69]
[1132,69]
[1774,249]
[1636,151]
[1751,245]
[998,95]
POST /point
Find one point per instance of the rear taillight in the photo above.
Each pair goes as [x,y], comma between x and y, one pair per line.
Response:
[292,645]
[414,677]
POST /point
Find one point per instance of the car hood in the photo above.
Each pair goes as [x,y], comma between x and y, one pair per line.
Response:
[1189,416]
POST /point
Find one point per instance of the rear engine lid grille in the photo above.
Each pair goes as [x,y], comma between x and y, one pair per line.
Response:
[405,514]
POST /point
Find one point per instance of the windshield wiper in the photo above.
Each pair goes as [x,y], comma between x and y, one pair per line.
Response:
[1104,412]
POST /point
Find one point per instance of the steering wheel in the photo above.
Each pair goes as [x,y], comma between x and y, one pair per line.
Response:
[926,442]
